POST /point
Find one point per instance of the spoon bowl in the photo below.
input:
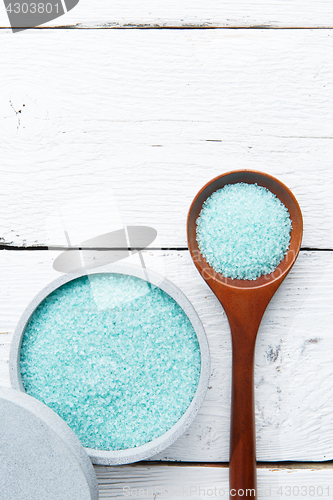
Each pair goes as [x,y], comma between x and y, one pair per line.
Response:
[244,302]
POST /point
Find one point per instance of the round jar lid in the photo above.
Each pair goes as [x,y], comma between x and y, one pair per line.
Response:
[41,457]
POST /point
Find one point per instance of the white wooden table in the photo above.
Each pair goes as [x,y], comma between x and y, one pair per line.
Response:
[119,117]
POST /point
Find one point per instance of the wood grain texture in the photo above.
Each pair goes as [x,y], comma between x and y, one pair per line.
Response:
[170,13]
[294,369]
[151,482]
[148,117]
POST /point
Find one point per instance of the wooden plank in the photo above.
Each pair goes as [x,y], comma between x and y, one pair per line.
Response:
[294,370]
[171,13]
[148,117]
[149,482]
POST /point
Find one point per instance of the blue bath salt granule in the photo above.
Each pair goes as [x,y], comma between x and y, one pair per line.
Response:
[116,357]
[243,231]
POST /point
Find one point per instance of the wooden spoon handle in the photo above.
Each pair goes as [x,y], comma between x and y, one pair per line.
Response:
[242,466]
[245,308]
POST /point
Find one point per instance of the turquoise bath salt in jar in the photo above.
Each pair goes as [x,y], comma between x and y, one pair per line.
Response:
[243,231]
[122,360]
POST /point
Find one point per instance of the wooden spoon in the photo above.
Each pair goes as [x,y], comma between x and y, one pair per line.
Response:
[244,302]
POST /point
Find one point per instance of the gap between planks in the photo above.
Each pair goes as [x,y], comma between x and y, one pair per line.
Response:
[225,465]
[172,27]
[130,249]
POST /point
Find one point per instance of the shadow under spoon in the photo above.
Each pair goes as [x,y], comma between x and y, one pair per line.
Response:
[244,302]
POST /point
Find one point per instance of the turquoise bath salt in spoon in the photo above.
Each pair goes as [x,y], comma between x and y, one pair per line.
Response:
[243,231]
[122,361]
